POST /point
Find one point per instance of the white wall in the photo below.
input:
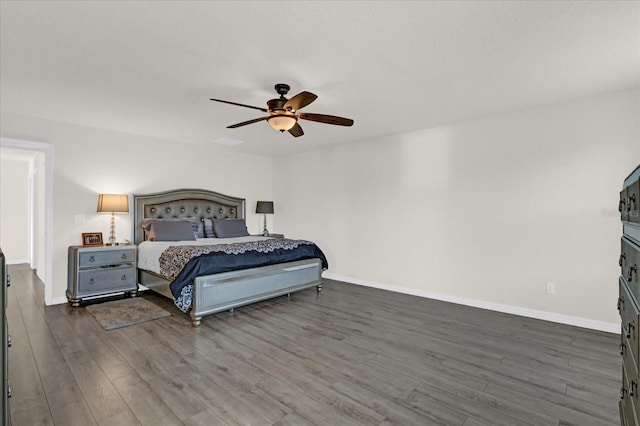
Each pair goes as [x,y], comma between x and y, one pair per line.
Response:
[14,212]
[89,161]
[490,209]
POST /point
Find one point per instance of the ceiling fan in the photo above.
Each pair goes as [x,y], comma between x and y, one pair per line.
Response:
[284,115]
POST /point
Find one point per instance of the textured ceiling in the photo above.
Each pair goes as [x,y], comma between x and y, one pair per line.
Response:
[149,68]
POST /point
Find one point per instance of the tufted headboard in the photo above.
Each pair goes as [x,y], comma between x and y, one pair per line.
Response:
[198,203]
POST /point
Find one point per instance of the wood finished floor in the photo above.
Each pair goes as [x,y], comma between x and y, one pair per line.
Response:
[350,355]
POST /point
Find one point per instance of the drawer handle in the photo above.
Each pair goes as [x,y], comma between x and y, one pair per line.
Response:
[622,203]
[123,277]
[91,280]
[620,303]
[622,348]
[8,280]
[632,198]
[629,328]
[623,256]
[632,269]
[92,258]
[633,388]
[8,391]
[623,392]
[8,340]
[124,256]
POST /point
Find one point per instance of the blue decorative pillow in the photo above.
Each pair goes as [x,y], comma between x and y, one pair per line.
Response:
[229,228]
[170,229]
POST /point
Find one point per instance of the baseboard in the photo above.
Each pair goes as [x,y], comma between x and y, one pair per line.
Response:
[17,262]
[608,327]
[57,301]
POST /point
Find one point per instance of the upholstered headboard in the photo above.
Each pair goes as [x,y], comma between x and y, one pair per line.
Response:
[198,203]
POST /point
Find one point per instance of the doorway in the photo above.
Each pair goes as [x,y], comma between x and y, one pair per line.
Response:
[41,188]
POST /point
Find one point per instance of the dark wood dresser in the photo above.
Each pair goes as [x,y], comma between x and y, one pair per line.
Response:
[6,342]
[629,298]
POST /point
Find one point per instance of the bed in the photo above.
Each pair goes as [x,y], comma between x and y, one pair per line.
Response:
[205,276]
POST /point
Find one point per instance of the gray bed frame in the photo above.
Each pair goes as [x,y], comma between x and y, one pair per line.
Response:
[228,290]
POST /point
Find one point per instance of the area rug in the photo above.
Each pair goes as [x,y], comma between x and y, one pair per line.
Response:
[125,312]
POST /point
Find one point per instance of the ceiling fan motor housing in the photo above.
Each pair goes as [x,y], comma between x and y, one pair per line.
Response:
[282,89]
[277,104]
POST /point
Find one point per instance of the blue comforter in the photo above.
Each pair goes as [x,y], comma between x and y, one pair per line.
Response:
[184,263]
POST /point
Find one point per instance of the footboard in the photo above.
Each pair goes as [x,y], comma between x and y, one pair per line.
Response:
[220,292]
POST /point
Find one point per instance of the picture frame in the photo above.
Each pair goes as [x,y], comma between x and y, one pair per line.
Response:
[92,239]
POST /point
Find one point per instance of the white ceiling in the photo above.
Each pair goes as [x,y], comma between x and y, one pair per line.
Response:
[149,68]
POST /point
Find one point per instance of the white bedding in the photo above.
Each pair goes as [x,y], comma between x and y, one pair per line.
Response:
[149,251]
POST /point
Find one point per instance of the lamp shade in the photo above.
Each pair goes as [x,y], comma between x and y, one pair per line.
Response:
[113,203]
[264,207]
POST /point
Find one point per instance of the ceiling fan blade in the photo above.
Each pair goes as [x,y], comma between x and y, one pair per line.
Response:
[328,119]
[244,123]
[296,130]
[242,105]
[299,101]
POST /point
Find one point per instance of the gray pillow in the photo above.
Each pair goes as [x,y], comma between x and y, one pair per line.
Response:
[229,228]
[168,230]
[198,231]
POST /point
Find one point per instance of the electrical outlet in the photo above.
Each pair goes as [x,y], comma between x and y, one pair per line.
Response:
[551,288]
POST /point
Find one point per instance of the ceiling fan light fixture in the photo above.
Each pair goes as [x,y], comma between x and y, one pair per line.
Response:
[282,122]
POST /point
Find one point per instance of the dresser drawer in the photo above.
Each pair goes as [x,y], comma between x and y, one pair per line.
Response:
[629,262]
[633,200]
[629,362]
[623,205]
[628,400]
[106,280]
[629,315]
[106,257]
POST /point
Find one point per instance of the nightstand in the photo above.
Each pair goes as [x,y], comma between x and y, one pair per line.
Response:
[101,270]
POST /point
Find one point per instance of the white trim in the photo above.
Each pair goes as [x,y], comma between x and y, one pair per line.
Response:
[47,149]
[608,327]
[58,301]
[32,205]
[17,262]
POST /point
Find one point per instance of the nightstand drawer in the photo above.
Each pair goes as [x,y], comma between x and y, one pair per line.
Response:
[108,279]
[106,257]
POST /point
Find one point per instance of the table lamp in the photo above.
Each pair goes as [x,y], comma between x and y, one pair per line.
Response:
[113,203]
[265,207]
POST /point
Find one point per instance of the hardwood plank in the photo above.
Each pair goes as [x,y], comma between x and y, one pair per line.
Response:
[396,411]
[146,406]
[350,355]
[205,418]
[99,392]
[304,405]
[479,405]
[585,415]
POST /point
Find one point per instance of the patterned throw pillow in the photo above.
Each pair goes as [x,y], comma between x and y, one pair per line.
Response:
[208,228]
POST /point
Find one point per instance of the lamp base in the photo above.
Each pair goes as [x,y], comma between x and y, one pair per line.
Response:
[265,232]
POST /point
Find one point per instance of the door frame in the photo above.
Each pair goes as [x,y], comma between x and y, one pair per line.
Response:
[47,150]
